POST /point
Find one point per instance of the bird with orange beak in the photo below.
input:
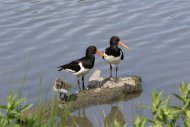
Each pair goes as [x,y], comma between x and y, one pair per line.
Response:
[82,66]
[114,53]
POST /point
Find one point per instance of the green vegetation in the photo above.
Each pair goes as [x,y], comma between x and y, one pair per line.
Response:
[163,114]
[13,112]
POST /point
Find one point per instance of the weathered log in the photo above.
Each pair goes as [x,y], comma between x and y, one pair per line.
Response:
[102,90]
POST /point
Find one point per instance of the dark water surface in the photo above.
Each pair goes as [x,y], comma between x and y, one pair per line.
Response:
[38,35]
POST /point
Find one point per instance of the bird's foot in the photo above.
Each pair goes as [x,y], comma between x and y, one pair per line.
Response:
[116,79]
[110,77]
[83,91]
[84,88]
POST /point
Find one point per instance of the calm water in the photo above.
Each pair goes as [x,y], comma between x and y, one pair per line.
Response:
[38,35]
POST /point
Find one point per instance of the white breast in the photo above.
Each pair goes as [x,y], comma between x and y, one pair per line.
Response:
[112,59]
[82,71]
[62,90]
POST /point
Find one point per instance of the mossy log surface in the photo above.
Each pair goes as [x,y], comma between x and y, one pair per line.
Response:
[102,90]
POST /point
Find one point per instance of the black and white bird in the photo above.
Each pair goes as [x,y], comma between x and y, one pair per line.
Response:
[83,65]
[114,53]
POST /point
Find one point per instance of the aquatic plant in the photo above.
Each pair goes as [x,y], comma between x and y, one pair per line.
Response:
[165,115]
[184,110]
[140,121]
[13,112]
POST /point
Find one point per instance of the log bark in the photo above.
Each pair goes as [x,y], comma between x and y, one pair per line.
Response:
[102,90]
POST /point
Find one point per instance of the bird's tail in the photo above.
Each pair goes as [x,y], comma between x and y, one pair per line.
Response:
[60,68]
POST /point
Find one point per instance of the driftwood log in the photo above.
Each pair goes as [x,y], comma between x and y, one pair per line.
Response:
[102,90]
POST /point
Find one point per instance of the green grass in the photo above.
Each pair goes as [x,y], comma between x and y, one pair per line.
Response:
[165,115]
[15,114]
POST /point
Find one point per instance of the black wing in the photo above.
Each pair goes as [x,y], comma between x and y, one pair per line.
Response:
[122,55]
[74,66]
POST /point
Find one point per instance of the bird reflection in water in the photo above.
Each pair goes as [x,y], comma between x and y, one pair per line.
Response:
[78,120]
[114,115]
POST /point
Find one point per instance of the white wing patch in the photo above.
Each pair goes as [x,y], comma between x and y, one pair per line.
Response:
[69,70]
[61,90]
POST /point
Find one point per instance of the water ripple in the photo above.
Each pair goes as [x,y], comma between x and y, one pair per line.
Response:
[45,34]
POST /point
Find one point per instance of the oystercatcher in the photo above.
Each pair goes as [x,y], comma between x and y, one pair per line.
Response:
[114,53]
[62,88]
[83,65]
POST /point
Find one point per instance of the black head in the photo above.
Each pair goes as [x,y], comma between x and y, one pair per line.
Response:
[114,41]
[91,50]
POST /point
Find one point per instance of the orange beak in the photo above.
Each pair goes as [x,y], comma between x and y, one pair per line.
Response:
[100,53]
[122,44]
